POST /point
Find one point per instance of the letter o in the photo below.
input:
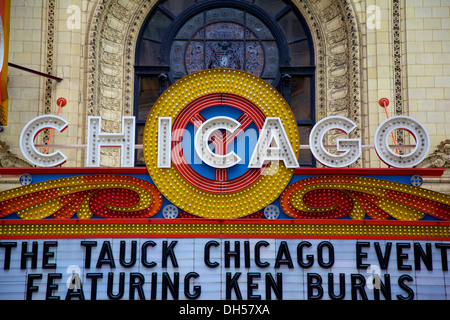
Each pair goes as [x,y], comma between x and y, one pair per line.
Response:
[415,128]
[320,247]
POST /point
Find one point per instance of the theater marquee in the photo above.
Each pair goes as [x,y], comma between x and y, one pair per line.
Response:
[222,209]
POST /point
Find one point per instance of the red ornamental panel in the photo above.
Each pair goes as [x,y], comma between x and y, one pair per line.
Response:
[321,197]
[331,197]
[106,196]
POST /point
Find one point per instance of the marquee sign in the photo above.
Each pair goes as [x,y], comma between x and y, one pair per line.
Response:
[221,194]
[221,149]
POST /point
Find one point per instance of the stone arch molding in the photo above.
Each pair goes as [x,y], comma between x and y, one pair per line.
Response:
[114,27]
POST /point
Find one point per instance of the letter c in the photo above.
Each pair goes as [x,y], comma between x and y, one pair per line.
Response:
[30,131]
[205,131]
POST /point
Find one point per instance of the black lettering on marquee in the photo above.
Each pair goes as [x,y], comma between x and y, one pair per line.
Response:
[252,286]
[402,285]
[154,283]
[314,284]
[409,255]
[29,255]
[106,256]
[309,258]
[425,256]
[51,286]
[197,289]
[443,247]
[173,286]
[30,284]
[48,255]
[283,256]
[8,246]
[88,251]
[320,260]
[247,254]
[383,259]
[331,293]
[358,282]
[258,261]
[207,254]
[144,260]
[231,283]
[75,293]
[275,286]
[271,285]
[315,289]
[136,283]
[421,255]
[168,252]
[123,247]
[360,255]
[94,280]
[385,288]
[236,254]
[402,256]
[109,290]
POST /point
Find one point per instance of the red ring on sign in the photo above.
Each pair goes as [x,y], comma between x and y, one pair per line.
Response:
[191,113]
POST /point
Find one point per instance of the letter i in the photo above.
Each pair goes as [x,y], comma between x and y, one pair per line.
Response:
[164,140]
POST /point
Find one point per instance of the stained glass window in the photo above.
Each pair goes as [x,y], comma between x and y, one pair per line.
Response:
[268,38]
[224,38]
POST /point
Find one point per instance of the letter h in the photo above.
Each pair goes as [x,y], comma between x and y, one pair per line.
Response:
[97,139]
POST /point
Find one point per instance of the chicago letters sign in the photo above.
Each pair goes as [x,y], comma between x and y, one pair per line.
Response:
[224,201]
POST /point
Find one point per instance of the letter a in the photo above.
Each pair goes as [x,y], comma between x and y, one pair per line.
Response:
[273,144]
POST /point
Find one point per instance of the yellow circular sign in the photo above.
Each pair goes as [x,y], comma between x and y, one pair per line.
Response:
[219,205]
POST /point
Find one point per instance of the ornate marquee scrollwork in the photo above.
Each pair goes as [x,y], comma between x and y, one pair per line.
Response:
[439,158]
[9,159]
[105,196]
[334,197]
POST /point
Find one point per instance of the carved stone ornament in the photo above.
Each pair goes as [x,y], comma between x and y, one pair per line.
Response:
[113,30]
[9,159]
[440,158]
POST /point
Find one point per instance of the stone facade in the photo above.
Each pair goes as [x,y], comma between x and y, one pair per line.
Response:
[365,50]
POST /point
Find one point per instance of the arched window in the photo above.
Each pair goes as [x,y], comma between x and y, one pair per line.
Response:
[268,38]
